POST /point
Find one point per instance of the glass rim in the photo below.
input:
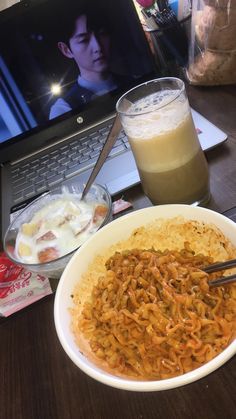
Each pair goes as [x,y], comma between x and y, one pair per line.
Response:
[160,79]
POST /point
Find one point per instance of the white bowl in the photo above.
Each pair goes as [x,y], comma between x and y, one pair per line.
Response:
[108,235]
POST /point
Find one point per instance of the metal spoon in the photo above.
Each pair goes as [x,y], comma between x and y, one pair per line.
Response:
[113,134]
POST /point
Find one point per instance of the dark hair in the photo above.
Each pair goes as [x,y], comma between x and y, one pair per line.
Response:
[96,19]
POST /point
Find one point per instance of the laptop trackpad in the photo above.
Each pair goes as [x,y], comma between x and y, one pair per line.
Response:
[117,174]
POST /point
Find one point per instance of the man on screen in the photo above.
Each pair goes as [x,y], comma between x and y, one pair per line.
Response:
[88,43]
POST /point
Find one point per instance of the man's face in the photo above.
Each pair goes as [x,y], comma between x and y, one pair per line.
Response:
[89,49]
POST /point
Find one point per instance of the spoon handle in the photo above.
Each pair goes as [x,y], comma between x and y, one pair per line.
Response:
[114,131]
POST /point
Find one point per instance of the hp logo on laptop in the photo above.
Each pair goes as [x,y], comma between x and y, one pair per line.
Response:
[80,120]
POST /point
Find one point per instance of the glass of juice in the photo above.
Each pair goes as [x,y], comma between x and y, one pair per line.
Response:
[157,120]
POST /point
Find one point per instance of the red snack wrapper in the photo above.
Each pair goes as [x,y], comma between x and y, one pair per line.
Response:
[19,287]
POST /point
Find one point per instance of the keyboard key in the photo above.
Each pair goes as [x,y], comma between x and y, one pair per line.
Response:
[72,164]
[55,179]
[103,138]
[118,142]
[54,153]
[94,137]
[98,146]
[40,179]
[51,174]
[30,191]
[34,161]
[42,169]
[18,197]
[53,165]
[61,169]
[41,187]
[117,150]
[72,154]
[20,188]
[44,159]
[106,129]
[84,158]
[87,153]
[94,153]
[84,140]
[64,159]
[75,147]
[40,183]
[78,169]
[25,166]
[64,147]
[19,180]
[93,143]
[82,149]
[31,177]
[34,166]
[15,173]
[76,158]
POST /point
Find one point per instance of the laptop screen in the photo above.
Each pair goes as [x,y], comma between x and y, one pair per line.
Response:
[63,65]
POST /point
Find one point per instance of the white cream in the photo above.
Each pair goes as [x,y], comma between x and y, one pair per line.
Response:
[58,228]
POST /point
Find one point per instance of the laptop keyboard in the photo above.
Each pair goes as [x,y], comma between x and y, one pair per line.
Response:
[37,175]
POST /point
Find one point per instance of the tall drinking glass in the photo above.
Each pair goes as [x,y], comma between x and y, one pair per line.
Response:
[157,119]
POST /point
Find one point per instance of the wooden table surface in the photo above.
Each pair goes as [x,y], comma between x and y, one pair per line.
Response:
[39,381]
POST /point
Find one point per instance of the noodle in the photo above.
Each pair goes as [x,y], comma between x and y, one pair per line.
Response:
[152,315]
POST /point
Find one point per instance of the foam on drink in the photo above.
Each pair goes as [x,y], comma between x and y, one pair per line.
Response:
[164,138]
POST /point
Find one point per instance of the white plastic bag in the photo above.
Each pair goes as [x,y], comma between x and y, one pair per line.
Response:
[212,54]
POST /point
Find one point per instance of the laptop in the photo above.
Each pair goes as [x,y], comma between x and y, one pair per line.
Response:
[52,128]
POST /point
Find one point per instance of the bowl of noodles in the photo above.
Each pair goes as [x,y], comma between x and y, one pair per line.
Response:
[134,308]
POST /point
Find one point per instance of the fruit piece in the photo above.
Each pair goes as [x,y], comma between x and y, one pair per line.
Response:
[29,229]
[56,221]
[47,236]
[24,249]
[72,209]
[79,227]
[48,254]
[100,212]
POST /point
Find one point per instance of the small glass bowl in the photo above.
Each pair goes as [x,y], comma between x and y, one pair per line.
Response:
[55,267]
